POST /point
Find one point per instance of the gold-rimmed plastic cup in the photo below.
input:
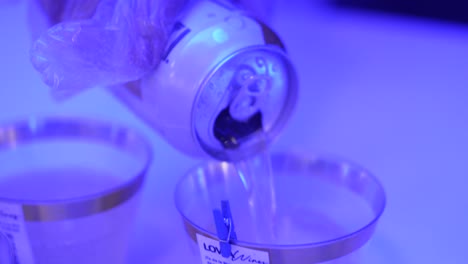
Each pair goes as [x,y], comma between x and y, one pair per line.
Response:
[69,190]
[325,209]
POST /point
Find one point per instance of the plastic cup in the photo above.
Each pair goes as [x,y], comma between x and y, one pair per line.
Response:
[68,190]
[325,210]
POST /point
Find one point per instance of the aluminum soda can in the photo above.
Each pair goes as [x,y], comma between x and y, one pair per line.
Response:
[225,87]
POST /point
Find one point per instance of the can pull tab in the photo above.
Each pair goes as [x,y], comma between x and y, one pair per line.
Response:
[6,249]
[250,97]
[225,228]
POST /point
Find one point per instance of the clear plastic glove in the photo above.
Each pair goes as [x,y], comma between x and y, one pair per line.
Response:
[106,42]
[100,43]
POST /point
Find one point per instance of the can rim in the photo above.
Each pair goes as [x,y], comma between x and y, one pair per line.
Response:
[290,102]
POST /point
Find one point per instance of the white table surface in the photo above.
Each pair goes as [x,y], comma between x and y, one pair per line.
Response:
[388,92]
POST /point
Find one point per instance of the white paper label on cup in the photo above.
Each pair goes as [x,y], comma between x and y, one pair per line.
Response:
[13,228]
[211,253]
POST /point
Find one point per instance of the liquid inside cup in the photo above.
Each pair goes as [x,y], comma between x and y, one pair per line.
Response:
[66,171]
[307,211]
[56,184]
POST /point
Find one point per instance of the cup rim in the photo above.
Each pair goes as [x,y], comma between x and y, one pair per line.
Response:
[38,128]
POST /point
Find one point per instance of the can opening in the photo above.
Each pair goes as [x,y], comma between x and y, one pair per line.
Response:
[231,133]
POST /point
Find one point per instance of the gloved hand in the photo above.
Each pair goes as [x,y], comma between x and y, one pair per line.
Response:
[107,42]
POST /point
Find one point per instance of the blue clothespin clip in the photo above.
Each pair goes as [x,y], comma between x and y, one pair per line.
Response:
[225,228]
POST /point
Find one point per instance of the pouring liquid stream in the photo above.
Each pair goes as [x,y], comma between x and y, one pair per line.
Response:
[257,178]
